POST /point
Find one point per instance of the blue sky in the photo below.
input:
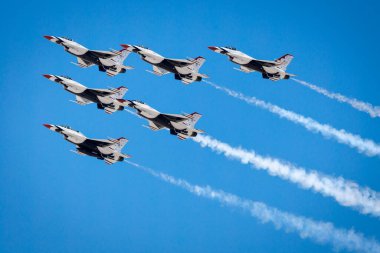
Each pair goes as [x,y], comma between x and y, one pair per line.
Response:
[52,200]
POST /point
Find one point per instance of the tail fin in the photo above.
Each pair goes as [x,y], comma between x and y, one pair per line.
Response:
[120,92]
[198,62]
[121,55]
[118,144]
[193,119]
[284,61]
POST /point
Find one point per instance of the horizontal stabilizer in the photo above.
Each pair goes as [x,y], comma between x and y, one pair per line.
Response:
[199,131]
[117,157]
[201,75]
[182,136]
[110,110]
[124,155]
[127,67]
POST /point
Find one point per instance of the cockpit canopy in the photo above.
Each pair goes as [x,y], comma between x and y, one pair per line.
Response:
[69,127]
[67,38]
[139,101]
[67,77]
[232,48]
[143,46]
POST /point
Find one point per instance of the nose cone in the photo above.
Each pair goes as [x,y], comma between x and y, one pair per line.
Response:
[48,126]
[48,37]
[47,76]
[128,47]
[213,48]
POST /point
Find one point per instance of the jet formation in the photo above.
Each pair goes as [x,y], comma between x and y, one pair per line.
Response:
[186,70]
[111,100]
[105,99]
[108,150]
[273,70]
[183,126]
[110,62]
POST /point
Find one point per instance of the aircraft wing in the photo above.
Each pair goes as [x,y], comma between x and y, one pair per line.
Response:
[82,101]
[158,71]
[244,69]
[103,54]
[113,144]
[266,63]
[175,117]
[102,92]
[180,62]
[100,142]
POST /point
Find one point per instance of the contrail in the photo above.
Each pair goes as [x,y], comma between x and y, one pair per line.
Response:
[373,111]
[346,193]
[317,231]
[365,146]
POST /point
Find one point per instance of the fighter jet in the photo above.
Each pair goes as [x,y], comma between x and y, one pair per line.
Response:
[105,99]
[110,62]
[185,70]
[181,125]
[273,70]
[108,150]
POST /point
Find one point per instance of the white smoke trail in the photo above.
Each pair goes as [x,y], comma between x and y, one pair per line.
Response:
[373,111]
[365,146]
[346,193]
[317,231]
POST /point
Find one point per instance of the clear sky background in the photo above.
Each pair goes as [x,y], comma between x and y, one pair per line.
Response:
[52,200]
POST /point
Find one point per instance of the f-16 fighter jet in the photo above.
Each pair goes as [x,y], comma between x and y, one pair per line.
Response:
[106,99]
[184,70]
[108,150]
[273,70]
[110,62]
[181,125]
